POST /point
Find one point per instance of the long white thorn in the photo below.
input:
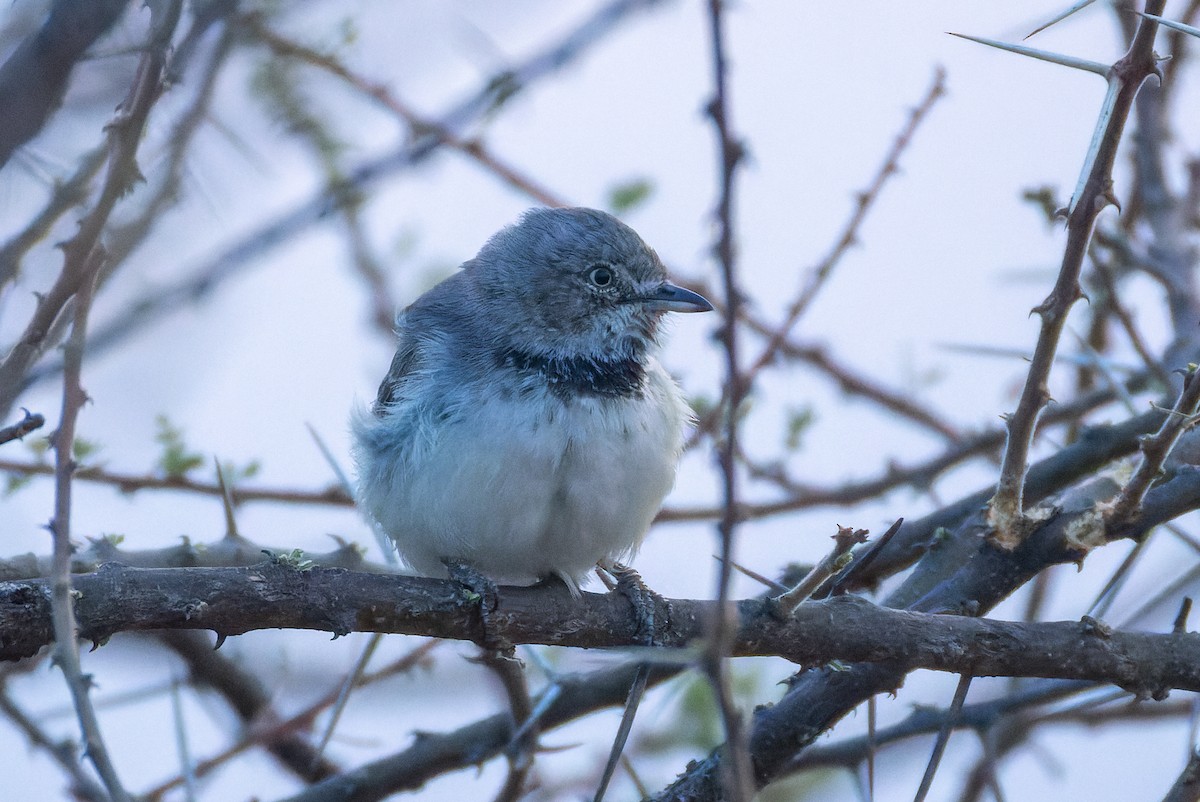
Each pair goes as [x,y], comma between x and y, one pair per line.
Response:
[1040,55]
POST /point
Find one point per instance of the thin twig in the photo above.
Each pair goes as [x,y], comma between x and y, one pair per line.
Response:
[66,195]
[1168,593]
[847,537]
[282,733]
[171,168]
[739,777]
[188,771]
[849,234]
[800,496]
[371,271]
[1155,450]
[1104,599]
[353,680]
[943,737]
[872,743]
[1113,303]
[849,577]
[472,148]
[981,716]
[334,495]
[852,382]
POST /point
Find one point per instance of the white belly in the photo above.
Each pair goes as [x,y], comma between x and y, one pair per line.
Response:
[523,489]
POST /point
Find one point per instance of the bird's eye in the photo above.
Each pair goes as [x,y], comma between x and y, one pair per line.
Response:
[601,276]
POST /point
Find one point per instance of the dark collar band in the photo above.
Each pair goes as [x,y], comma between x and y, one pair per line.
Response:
[621,377]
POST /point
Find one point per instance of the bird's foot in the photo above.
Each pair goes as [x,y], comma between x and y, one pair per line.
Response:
[483,590]
[642,599]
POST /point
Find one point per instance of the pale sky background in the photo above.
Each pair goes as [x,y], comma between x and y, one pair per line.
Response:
[951,254]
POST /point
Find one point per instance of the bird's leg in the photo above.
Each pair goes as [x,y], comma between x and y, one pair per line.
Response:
[482,589]
[643,601]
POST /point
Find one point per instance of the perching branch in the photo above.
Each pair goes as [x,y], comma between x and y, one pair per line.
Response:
[234,601]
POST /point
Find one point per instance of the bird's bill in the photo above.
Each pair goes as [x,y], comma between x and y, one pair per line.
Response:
[671,298]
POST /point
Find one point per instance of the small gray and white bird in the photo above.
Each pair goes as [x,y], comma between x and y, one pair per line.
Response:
[525,427]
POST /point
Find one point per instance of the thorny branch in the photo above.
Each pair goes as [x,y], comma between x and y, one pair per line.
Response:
[84,258]
[1155,450]
[738,783]
[333,495]
[66,651]
[444,135]
[1007,508]
[234,601]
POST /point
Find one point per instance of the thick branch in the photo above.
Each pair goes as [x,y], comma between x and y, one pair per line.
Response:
[233,601]
[966,573]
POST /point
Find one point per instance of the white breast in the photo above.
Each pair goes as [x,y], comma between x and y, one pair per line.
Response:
[524,487]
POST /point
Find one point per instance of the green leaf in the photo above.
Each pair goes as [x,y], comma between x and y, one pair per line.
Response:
[39,447]
[630,194]
[282,87]
[1045,199]
[799,420]
[234,474]
[293,559]
[14,482]
[176,461]
[81,449]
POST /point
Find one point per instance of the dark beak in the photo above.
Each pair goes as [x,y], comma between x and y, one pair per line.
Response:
[670,298]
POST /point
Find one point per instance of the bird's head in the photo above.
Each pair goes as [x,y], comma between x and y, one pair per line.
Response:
[575,282]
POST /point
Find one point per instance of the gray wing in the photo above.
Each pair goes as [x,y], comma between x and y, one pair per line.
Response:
[432,319]
[403,364]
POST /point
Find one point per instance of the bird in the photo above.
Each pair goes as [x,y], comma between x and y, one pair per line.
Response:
[526,428]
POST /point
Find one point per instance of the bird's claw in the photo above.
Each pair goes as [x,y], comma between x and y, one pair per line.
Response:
[482,590]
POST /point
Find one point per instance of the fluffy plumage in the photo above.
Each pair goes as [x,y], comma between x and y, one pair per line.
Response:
[525,426]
